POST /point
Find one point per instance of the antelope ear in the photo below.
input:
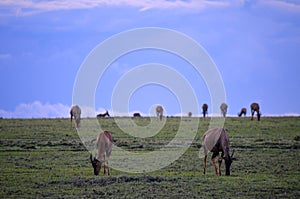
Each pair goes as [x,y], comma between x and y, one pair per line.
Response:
[235,159]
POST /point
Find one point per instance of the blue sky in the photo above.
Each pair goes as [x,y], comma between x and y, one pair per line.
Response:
[255,45]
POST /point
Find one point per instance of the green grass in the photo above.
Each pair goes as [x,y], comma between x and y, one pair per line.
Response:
[44,158]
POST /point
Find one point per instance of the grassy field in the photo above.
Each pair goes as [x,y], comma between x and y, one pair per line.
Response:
[44,158]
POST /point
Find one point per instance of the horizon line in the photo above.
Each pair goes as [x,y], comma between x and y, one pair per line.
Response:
[168,116]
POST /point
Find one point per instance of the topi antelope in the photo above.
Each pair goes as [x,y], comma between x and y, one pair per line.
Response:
[102,115]
[255,108]
[159,112]
[104,146]
[75,112]
[243,112]
[223,108]
[137,115]
[216,140]
[204,110]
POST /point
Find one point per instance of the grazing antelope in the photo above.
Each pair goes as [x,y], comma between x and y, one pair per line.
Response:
[103,115]
[255,108]
[159,112]
[137,115]
[104,146]
[223,108]
[75,112]
[243,112]
[204,110]
[216,140]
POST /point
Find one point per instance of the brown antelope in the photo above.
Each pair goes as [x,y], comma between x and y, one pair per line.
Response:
[159,112]
[103,115]
[75,112]
[216,140]
[137,115]
[104,146]
[243,112]
[223,108]
[204,110]
[255,108]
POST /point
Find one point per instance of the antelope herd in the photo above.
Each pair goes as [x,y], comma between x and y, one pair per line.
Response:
[76,112]
[214,140]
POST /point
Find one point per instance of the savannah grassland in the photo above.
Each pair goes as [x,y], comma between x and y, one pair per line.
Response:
[44,158]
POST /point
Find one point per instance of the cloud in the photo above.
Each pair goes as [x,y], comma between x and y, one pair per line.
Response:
[29,7]
[191,5]
[37,110]
[291,114]
[282,5]
[5,56]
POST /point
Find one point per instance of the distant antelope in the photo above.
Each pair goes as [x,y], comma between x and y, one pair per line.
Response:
[137,115]
[103,115]
[104,146]
[223,108]
[216,140]
[243,112]
[255,108]
[190,114]
[204,109]
[159,112]
[75,112]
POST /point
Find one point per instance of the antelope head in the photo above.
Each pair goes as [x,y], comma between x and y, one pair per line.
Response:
[228,161]
[96,165]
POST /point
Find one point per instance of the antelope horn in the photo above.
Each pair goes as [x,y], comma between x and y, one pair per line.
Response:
[232,152]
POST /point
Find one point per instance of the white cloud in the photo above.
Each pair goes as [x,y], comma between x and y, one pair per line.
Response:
[292,6]
[120,68]
[29,7]
[291,114]
[5,56]
[37,110]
